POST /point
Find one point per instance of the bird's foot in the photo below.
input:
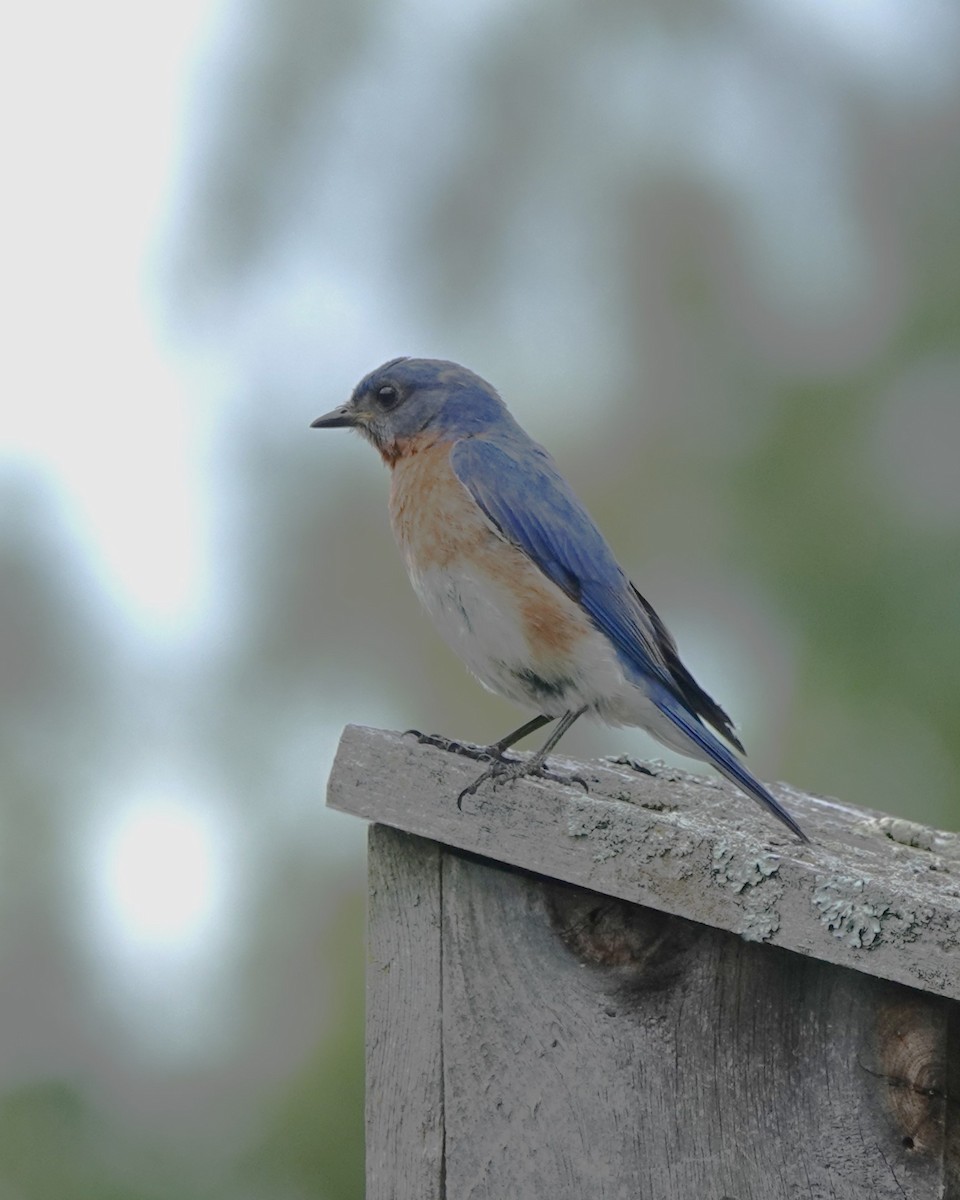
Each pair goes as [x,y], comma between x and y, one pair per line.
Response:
[452,746]
[503,769]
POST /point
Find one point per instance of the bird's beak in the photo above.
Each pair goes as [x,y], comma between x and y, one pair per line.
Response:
[339,417]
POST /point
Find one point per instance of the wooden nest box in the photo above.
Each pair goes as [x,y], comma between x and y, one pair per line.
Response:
[651,991]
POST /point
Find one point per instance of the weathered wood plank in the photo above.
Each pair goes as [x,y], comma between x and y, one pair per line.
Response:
[860,896]
[404,1088]
[595,1048]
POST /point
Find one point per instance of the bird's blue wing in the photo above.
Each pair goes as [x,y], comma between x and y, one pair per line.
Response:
[521,491]
[528,500]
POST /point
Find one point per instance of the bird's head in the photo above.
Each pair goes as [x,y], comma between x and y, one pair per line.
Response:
[409,402]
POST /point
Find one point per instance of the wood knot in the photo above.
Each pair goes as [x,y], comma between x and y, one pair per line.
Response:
[911,1061]
[648,948]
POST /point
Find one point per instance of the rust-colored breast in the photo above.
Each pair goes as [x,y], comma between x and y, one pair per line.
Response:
[440,529]
[434,517]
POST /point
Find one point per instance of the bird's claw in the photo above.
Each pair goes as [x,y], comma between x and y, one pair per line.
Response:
[503,769]
[452,746]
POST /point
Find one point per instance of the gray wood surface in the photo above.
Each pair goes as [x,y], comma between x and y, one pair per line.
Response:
[878,895]
[404,1086]
[532,1039]
[593,1048]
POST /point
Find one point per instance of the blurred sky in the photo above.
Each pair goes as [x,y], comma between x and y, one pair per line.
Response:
[114,422]
[100,403]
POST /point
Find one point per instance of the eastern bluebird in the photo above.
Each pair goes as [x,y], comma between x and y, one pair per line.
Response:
[519,580]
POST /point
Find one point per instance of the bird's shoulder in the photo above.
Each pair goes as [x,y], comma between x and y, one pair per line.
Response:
[523,493]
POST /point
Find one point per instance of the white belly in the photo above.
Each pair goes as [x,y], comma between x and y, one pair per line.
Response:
[478,618]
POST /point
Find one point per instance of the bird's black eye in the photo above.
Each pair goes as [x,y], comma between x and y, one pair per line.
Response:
[388,396]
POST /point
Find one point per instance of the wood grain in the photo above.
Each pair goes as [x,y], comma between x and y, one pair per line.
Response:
[879,895]
[404,1088]
[593,1048]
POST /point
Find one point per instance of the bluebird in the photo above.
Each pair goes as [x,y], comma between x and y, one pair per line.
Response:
[517,577]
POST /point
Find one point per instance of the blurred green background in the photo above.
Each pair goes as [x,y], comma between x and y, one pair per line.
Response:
[710,254]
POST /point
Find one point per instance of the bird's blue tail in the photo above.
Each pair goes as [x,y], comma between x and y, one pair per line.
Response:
[723,759]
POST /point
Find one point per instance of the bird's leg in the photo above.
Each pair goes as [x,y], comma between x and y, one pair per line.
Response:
[481,753]
[497,748]
[501,769]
